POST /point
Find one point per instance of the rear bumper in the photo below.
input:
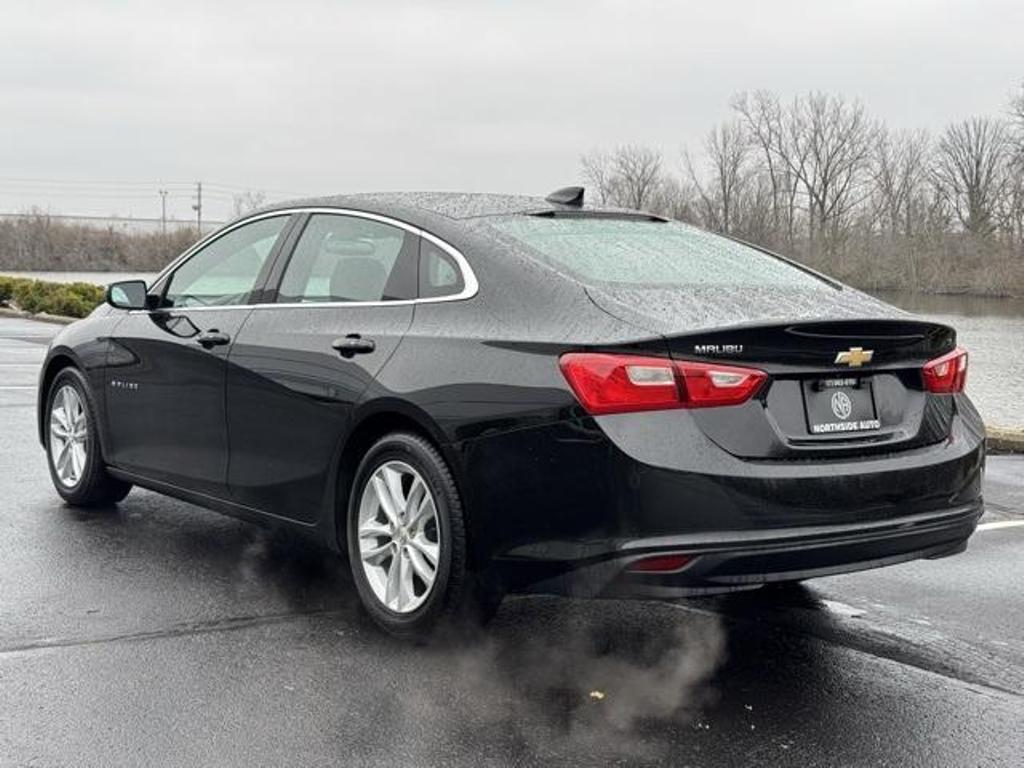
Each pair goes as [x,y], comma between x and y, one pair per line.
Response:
[735,560]
[566,508]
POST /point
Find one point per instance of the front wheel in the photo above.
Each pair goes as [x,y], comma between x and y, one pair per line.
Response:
[72,445]
[407,539]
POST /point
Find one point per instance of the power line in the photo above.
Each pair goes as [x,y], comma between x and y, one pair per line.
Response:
[21,180]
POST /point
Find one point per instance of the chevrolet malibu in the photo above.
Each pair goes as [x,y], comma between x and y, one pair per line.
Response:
[472,395]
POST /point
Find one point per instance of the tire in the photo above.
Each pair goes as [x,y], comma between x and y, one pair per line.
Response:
[391,565]
[80,477]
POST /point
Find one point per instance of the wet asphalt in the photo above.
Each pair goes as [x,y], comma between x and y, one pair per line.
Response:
[157,633]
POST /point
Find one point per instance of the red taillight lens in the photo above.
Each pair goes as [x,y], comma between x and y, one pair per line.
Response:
[711,385]
[659,564]
[946,374]
[605,383]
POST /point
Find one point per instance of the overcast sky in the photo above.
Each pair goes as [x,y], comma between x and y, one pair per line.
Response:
[316,97]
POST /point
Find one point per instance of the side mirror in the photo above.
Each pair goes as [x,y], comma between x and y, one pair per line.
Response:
[128,294]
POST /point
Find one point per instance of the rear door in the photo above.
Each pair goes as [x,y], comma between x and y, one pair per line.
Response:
[166,368]
[344,300]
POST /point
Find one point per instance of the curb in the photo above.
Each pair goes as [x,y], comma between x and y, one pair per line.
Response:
[40,316]
[1004,440]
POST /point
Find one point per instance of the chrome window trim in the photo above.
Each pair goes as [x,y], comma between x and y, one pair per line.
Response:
[470,284]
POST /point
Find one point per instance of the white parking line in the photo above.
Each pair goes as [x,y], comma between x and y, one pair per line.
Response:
[1000,524]
[14,387]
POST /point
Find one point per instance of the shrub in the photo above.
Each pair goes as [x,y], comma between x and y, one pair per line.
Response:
[69,299]
[6,288]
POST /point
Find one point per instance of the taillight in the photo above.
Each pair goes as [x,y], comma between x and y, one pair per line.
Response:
[946,374]
[660,564]
[606,383]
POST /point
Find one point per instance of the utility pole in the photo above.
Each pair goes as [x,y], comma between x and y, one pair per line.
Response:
[163,211]
[198,208]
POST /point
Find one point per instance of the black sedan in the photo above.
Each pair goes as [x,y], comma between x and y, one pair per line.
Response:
[477,394]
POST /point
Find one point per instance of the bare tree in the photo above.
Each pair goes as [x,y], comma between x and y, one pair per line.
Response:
[629,177]
[1013,220]
[898,170]
[1017,108]
[638,170]
[970,171]
[763,116]
[832,139]
[597,174]
[820,140]
[675,199]
[726,148]
[248,201]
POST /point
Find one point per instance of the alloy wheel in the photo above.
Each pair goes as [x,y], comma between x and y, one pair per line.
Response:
[399,539]
[69,436]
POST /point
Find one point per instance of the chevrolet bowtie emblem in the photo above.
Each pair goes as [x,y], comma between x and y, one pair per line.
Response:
[855,357]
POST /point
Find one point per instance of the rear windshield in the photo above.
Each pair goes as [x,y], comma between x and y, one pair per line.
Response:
[650,253]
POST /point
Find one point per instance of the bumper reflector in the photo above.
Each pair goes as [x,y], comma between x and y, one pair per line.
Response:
[659,564]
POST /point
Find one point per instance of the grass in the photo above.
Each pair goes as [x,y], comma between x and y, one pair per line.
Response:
[67,299]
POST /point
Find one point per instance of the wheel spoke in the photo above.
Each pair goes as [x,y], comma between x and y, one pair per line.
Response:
[406,594]
[427,548]
[393,479]
[424,513]
[77,461]
[68,404]
[387,503]
[376,555]
[424,569]
[60,416]
[391,591]
[58,428]
[372,529]
[417,491]
[63,458]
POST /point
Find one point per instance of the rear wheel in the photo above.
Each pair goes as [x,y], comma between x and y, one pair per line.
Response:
[72,445]
[407,540]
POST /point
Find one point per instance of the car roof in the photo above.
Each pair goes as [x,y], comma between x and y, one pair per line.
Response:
[412,206]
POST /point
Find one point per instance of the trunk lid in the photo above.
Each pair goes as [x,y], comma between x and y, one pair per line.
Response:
[844,369]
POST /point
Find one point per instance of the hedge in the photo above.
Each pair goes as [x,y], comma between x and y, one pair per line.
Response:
[68,299]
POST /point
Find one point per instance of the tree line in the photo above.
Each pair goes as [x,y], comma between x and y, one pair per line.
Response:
[818,178]
[38,241]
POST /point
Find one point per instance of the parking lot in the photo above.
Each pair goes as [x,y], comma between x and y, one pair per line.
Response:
[157,633]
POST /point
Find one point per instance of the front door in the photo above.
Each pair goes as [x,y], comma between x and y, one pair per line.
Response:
[167,366]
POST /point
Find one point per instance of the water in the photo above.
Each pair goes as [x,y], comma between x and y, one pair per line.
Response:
[992,329]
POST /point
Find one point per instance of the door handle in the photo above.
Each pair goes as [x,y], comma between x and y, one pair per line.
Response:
[213,338]
[353,344]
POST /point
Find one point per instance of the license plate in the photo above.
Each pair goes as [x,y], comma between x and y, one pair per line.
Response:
[835,406]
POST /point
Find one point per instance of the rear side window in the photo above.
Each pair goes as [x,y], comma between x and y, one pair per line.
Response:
[649,253]
[348,258]
[439,274]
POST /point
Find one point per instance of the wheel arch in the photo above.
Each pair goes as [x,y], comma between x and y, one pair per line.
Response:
[57,361]
[370,423]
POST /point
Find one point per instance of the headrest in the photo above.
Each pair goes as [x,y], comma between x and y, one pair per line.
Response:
[340,247]
[358,279]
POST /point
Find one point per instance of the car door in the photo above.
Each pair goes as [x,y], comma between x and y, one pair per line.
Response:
[342,305]
[167,365]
